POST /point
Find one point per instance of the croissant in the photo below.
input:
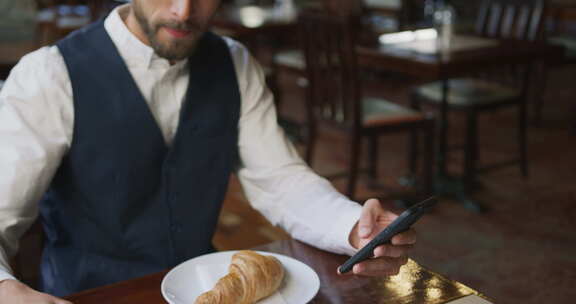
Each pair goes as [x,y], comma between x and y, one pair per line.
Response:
[251,277]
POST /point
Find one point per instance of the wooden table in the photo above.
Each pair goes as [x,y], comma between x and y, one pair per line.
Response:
[408,59]
[11,52]
[413,285]
[454,63]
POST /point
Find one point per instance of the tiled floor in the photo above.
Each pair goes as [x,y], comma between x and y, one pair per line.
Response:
[523,250]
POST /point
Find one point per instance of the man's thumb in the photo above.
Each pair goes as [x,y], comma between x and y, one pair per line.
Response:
[366,223]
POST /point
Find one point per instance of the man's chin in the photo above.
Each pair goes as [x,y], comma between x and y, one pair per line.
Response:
[175,50]
[177,53]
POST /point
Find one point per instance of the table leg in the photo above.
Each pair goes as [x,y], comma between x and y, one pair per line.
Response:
[445,184]
[443,136]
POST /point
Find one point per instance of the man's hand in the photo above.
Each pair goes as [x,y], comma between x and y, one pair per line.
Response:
[14,292]
[388,258]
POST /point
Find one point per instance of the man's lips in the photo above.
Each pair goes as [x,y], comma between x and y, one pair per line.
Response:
[178,33]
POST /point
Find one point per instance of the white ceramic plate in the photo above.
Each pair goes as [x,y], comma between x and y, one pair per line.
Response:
[183,283]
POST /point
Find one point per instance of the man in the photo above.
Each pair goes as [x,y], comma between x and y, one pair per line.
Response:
[127,132]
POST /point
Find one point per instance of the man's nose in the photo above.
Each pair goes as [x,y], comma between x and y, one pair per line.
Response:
[182,9]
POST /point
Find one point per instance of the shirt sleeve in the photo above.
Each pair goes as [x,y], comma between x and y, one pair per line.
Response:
[276,181]
[35,130]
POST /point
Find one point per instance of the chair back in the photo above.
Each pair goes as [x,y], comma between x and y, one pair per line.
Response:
[331,68]
[512,19]
[343,7]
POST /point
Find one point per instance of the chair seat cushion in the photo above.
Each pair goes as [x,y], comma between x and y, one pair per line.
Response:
[380,112]
[568,42]
[388,4]
[468,92]
[290,58]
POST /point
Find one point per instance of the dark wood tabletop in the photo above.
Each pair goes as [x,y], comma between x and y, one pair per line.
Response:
[453,63]
[414,284]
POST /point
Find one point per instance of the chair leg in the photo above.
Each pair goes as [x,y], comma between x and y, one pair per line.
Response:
[272,81]
[413,142]
[429,157]
[443,127]
[522,130]
[470,151]
[541,84]
[355,150]
[310,144]
[413,151]
[373,166]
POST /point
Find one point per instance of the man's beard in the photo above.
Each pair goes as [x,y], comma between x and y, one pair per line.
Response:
[176,49]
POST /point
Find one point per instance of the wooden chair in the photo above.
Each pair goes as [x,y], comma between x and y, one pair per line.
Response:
[560,16]
[57,18]
[336,100]
[401,12]
[502,19]
[290,60]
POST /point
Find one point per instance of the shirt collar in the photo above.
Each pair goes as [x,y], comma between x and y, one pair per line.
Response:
[134,52]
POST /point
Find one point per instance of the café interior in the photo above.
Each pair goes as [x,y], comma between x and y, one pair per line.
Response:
[470,101]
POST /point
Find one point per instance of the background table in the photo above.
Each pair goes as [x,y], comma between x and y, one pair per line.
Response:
[451,63]
[11,52]
[413,285]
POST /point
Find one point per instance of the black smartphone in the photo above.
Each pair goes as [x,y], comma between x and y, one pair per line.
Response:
[400,224]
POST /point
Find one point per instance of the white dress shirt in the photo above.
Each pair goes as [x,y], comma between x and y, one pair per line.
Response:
[36,130]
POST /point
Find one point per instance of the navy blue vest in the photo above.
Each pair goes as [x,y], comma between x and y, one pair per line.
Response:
[122,203]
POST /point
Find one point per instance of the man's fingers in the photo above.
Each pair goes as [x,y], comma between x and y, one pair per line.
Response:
[368,217]
[383,266]
[407,237]
[392,251]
